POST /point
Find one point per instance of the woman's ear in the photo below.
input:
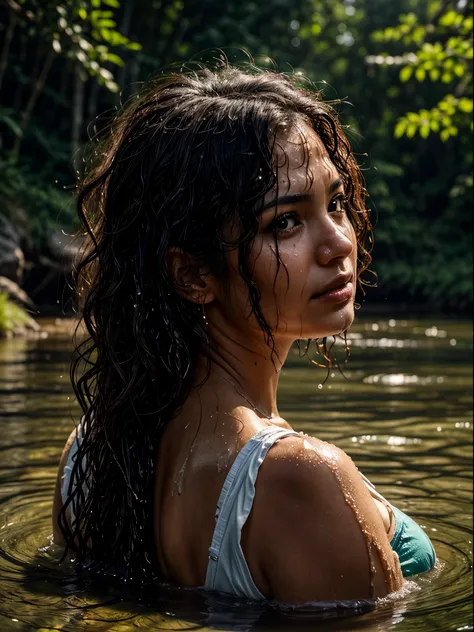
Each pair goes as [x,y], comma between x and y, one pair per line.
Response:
[191,280]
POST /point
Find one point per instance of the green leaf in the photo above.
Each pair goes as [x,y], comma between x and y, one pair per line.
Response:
[418,34]
[434,124]
[82,13]
[115,59]
[112,37]
[115,38]
[133,46]
[446,77]
[112,3]
[405,73]
[425,131]
[459,70]
[411,130]
[101,15]
[467,25]
[400,128]
[453,42]
[449,18]
[95,4]
[420,73]
[376,36]
[465,105]
[106,24]
[444,135]
[435,74]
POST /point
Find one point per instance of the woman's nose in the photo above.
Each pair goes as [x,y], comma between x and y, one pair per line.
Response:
[334,242]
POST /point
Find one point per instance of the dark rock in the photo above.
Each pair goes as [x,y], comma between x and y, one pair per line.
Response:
[48,279]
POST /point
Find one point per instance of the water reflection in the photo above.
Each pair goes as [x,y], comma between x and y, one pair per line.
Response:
[403,414]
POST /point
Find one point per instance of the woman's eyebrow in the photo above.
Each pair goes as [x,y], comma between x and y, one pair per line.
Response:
[297,198]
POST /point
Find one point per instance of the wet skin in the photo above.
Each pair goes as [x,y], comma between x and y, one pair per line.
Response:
[310,504]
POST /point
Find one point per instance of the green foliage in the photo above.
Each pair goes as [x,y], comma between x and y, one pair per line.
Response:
[439,119]
[45,204]
[84,31]
[12,316]
[447,60]
[416,80]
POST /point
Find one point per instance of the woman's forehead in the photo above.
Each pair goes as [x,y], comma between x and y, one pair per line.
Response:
[303,161]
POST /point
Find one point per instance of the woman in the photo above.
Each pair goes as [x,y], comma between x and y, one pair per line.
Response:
[226,220]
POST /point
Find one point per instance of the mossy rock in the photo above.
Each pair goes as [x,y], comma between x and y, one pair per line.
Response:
[14,320]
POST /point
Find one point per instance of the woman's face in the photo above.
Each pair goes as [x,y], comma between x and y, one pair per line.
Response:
[316,244]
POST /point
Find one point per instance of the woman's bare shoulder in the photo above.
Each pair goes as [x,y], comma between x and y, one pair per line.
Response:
[315,529]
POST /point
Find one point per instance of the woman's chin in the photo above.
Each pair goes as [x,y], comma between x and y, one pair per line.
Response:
[334,323]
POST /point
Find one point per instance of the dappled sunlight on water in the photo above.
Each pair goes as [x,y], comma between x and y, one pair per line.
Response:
[403,413]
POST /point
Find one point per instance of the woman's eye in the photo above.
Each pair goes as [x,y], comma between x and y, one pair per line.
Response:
[336,205]
[284,223]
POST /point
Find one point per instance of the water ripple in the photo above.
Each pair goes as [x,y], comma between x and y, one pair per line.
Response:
[403,414]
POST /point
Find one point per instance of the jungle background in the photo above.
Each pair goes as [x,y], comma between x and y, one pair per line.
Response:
[403,70]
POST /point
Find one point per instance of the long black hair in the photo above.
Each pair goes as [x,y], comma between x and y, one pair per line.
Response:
[190,154]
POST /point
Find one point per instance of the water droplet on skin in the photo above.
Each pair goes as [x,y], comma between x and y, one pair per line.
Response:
[373,546]
[179,480]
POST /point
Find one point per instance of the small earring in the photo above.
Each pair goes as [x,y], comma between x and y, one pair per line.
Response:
[204,315]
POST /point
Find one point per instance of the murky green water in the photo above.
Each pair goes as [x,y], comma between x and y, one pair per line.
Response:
[404,415]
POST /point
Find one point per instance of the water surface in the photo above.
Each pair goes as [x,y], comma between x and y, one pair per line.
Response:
[403,414]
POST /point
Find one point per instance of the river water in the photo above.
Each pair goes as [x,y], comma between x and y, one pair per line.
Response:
[403,412]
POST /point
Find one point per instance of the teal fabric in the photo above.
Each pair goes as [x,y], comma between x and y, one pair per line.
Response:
[412,545]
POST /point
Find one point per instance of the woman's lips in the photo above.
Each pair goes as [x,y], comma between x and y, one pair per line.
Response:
[336,295]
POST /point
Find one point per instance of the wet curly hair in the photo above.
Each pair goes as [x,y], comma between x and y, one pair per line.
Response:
[189,155]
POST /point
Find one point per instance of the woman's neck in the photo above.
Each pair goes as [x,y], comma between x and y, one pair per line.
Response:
[248,366]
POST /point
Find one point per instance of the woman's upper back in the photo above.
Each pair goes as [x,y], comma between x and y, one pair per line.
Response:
[190,478]
[285,531]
